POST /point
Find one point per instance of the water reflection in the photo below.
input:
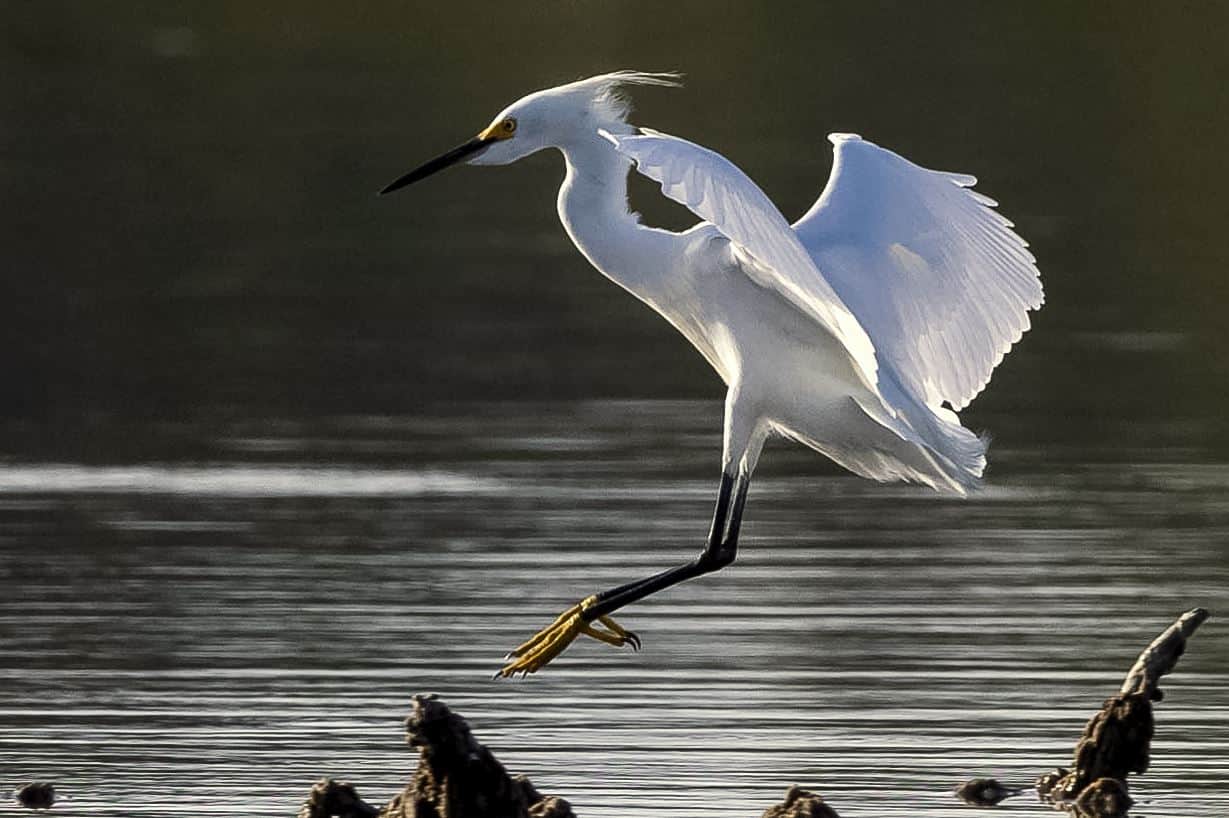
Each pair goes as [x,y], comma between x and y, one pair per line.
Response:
[232,480]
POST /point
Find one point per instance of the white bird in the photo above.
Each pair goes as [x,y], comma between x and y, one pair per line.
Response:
[860,330]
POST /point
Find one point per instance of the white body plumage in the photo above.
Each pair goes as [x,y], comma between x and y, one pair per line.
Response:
[859,331]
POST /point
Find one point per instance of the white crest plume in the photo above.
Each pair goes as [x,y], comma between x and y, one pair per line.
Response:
[606,91]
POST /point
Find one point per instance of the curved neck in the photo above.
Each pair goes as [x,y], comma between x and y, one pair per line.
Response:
[593,209]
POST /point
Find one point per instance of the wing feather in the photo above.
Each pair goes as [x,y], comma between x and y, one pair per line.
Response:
[715,189]
[940,282]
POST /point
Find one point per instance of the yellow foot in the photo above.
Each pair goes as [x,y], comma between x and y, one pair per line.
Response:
[552,640]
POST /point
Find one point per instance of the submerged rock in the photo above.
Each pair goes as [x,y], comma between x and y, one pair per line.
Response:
[457,777]
[1103,798]
[335,799]
[1117,740]
[35,795]
[1160,657]
[551,807]
[1046,782]
[984,792]
[800,803]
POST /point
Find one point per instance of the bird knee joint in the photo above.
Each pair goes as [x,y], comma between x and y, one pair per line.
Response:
[717,559]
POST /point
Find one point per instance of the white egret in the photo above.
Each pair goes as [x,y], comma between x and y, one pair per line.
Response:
[860,330]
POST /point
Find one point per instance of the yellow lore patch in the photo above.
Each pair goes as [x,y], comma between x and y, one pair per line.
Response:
[503,129]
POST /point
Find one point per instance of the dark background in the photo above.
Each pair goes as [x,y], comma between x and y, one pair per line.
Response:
[191,232]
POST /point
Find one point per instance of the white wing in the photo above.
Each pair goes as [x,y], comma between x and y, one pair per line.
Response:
[938,279]
[714,189]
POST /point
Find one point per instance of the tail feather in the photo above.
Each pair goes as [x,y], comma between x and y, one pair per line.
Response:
[930,450]
[936,449]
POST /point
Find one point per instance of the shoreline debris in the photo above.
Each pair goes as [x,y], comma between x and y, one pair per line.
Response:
[1116,741]
[458,777]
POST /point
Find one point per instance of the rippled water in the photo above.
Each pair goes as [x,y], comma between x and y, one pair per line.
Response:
[211,635]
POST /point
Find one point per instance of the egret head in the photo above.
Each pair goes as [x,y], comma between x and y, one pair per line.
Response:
[544,119]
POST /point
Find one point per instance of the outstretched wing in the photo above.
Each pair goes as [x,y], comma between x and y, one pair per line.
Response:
[714,189]
[939,281]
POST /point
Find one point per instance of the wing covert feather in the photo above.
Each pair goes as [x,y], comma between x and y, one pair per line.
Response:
[717,191]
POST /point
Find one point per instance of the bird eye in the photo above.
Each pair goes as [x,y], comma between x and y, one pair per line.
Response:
[509,126]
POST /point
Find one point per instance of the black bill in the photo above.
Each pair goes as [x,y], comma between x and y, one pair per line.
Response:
[437,164]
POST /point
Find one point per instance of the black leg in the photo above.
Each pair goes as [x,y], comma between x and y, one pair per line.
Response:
[719,551]
[584,617]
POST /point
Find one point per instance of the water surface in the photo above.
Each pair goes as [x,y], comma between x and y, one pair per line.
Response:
[212,636]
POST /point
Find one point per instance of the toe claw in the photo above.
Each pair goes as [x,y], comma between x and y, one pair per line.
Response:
[552,640]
